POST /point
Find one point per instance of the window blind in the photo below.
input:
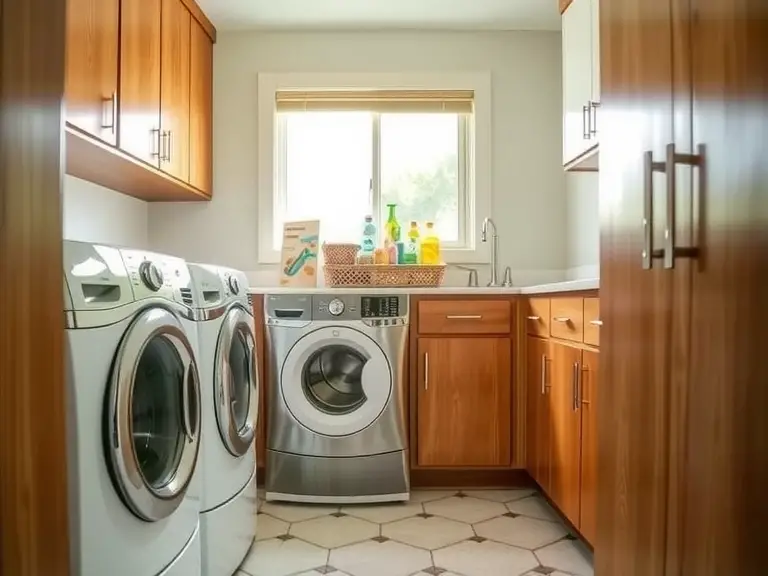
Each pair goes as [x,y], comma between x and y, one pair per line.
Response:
[445,101]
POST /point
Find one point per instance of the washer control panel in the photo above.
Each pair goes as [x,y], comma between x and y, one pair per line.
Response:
[349,307]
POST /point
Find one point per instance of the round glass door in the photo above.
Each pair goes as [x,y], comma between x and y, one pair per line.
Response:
[153,415]
[336,381]
[236,388]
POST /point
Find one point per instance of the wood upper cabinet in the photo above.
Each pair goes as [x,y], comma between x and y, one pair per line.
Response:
[590,378]
[139,102]
[464,401]
[539,424]
[175,89]
[201,110]
[92,67]
[566,430]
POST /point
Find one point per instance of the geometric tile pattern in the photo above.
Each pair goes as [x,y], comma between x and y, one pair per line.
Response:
[436,533]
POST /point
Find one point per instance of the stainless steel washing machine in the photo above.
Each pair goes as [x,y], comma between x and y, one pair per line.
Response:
[337,398]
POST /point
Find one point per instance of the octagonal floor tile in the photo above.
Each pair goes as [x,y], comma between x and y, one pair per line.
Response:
[485,558]
[429,533]
[568,556]
[430,495]
[268,527]
[522,531]
[388,558]
[466,509]
[381,513]
[296,512]
[333,531]
[501,495]
[282,557]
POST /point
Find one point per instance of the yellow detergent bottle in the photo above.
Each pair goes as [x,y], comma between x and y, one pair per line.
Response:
[430,246]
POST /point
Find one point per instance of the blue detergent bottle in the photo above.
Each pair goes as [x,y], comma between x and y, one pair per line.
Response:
[369,242]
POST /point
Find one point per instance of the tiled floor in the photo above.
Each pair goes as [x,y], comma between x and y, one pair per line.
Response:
[469,533]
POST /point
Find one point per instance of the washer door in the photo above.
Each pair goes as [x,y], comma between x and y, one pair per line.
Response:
[336,381]
[236,384]
[153,415]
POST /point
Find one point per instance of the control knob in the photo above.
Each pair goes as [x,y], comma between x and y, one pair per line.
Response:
[151,275]
[335,307]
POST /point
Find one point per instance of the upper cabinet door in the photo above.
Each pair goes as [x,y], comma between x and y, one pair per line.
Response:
[140,79]
[174,101]
[464,401]
[595,6]
[201,110]
[577,79]
[92,67]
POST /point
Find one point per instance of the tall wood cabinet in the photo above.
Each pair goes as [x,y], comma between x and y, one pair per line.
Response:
[682,437]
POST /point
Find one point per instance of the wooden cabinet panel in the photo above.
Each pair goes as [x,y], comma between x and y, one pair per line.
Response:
[464,401]
[567,319]
[201,110]
[566,430]
[465,317]
[139,101]
[592,321]
[590,378]
[538,436]
[175,89]
[537,319]
[92,67]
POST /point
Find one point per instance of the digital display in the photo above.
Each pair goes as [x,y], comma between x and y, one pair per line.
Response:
[379,306]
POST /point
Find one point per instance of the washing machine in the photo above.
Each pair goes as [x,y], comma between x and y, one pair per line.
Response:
[133,414]
[230,392]
[337,398]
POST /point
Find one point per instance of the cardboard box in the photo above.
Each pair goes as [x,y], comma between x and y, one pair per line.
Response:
[298,261]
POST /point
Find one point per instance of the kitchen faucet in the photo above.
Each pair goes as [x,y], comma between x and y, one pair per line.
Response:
[494,249]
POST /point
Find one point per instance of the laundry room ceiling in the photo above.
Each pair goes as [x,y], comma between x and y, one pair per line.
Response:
[384,14]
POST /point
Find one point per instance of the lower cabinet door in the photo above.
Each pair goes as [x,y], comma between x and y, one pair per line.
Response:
[566,431]
[589,383]
[464,401]
[537,411]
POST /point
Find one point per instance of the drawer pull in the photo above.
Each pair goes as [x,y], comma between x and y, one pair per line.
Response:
[596,322]
[563,319]
[534,318]
[464,317]
[426,371]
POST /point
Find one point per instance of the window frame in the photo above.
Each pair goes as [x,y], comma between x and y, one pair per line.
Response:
[464,182]
[476,175]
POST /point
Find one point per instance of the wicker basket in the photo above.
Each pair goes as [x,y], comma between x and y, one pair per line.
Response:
[339,276]
[340,254]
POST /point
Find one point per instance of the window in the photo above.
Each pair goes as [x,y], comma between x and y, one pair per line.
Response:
[342,155]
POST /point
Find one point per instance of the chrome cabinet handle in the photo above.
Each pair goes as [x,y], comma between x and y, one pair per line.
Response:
[596,322]
[534,318]
[585,121]
[581,386]
[564,319]
[185,399]
[110,124]
[426,371]
[649,167]
[593,117]
[464,317]
[155,138]
[170,145]
[543,374]
[575,387]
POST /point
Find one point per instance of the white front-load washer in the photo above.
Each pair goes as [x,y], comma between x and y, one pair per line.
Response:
[134,413]
[230,391]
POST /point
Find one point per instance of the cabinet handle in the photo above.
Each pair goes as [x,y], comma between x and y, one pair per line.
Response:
[154,143]
[596,322]
[649,167]
[593,117]
[563,319]
[585,121]
[534,318]
[543,374]
[464,317]
[574,387]
[426,371]
[112,122]
[581,386]
[170,145]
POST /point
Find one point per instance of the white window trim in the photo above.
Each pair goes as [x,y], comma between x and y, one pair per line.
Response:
[480,146]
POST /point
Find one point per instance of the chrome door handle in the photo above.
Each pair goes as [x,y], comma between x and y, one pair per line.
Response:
[543,374]
[155,138]
[585,121]
[426,371]
[581,386]
[596,322]
[574,385]
[649,167]
[185,399]
[593,117]
[170,145]
[534,318]
[112,122]
[464,317]
[564,319]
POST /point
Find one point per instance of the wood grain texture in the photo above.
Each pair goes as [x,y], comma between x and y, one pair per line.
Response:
[727,439]
[464,396]
[201,110]
[92,66]
[465,317]
[175,89]
[538,317]
[257,306]
[92,160]
[34,527]
[589,465]
[591,314]
[567,318]
[470,478]
[564,5]
[633,423]
[538,415]
[140,79]
[566,431]
[201,18]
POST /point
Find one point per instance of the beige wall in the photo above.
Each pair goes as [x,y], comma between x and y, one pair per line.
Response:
[583,228]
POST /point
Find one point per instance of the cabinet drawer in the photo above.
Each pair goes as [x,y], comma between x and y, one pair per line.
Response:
[537,319]
[464,317]
[592,321]
[567,318]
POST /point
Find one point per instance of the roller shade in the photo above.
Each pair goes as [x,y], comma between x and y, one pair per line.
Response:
[446,101]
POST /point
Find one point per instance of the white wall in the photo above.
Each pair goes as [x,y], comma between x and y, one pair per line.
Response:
[583,229]
[93,213]
[528,185]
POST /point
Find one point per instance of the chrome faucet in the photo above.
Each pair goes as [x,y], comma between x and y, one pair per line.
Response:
[494,249]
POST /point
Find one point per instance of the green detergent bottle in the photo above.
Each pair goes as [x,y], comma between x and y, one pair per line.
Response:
[392,226]
[412,247]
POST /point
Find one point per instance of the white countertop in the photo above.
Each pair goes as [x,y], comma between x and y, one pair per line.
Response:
[569,286]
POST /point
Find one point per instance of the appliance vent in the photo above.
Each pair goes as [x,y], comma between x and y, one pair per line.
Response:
[186,296]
